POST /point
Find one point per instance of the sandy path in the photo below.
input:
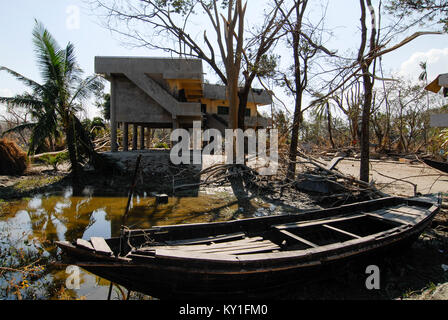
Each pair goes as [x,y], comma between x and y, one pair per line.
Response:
[427,179]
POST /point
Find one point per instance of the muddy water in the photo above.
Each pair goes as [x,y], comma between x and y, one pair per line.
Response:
[34,224]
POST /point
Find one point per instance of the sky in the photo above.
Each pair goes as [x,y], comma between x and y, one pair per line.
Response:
[71,20]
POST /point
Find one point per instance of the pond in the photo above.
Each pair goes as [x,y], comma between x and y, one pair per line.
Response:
[30,226]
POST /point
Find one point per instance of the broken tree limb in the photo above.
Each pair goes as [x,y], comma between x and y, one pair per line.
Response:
[360,183]
[398,179]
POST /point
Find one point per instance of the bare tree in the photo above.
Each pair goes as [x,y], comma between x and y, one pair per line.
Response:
[222,44]
[374,43]
[305,41]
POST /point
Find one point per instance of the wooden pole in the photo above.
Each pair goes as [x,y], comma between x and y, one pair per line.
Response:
[131,192]
[110,291]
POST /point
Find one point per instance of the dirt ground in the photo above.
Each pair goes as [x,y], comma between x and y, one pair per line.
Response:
[385,172]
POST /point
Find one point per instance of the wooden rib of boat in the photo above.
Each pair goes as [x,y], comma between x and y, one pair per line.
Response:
[442,166]
[249,257]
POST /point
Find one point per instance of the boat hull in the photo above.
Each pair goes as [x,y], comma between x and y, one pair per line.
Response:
[199,279]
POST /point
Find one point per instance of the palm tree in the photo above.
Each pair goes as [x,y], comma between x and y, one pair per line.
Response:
[55,102]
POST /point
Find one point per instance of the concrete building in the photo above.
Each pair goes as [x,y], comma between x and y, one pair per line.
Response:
[441,82]
[168,93]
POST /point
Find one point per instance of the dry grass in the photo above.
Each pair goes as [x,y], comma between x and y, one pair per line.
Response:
[13,160]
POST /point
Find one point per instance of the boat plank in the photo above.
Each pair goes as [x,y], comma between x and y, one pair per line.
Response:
[200,247]
[382,214]
[84,244]
[100,245]
[214,248]
[295,237]
[179,254]
[207,239]
[232,251]
[409,210]
[260,249]
[313,223]
[342,231]
[249,247]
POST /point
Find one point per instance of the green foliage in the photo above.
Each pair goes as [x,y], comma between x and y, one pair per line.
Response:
[54,160]
[105,106]
[55,102]
[177,6]
[267,66]
[95,126]
[162,145]
[424,10]
[21,269]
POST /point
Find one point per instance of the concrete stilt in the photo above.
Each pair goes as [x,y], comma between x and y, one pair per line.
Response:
[113,123]
[125,136]
[134,136]
[142,138]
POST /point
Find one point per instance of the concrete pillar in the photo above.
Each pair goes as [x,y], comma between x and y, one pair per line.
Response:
[142,138]
[175,126]
[113,123]
[134,137]
[125,136]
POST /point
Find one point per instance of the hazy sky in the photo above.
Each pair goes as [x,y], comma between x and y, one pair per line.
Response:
[90,39]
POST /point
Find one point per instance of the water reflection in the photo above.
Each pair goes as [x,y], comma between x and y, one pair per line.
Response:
[48,218]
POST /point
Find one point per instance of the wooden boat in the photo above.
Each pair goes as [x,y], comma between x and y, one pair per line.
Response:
[442,166]
[250,257]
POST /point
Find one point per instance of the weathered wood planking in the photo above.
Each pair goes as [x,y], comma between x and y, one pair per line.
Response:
[342,231]
[221,245]
[408,210]
[100,245]
[237,235]
[318,222]
[295,237]
[253,246]
[84,244]
[383,214]
[231,251]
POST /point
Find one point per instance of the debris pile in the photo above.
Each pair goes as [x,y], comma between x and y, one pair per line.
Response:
[13,161]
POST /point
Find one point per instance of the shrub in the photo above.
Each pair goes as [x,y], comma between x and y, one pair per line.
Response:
[162,145]
[54,160]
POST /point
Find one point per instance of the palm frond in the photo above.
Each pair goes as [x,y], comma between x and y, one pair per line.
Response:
[20,128]
[44,128]
[22,101]
[27,81]
[89,85]
[71,68]
[50,57]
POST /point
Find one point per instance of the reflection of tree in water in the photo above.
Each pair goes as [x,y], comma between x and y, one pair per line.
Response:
[72,213]
[47,216]
[146,213]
